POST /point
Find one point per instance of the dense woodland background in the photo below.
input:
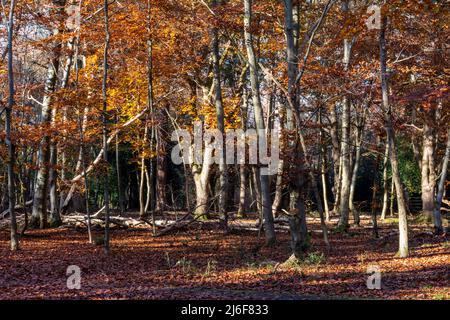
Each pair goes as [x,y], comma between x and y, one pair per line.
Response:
[89,102]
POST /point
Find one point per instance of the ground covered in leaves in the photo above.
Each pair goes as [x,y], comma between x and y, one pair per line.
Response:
[200,262]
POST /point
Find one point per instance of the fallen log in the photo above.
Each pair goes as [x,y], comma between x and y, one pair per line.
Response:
[180,223]
[98,213]
[17,207]
[120,221]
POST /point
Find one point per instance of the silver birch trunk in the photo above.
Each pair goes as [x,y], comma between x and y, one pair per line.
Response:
[345,142]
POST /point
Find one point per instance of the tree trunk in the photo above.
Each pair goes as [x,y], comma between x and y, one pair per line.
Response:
[201,191]
[428,170]
[336,155]
[55,218]
[297,224]
[9,142]
[82,123]
[375,187]
[161,175]
[119,183]
[269,228]
[276,204]
[39,211]
[142,212]
[316,193]
[441,188]
[323,170]
[402,218]
[242,191]
[55,201]
[385,183]
[359,133]
[345,155]
[201,174]
[153,205]
[105,125]
[345,142]
[223,183]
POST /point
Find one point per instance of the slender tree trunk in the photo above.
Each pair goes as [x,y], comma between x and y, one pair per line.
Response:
[402,213]
[55,201]
[375,187]
[8,140]
[242,191]
[414,142]
[297,225]
[316,193]
[385,183]
[244,178]
[323,170]
[161,174]
[269,228]
[119,183]
[345,155]
[428,172]
[441,188]
[142,212]
[359,133]
[279,180]
[336,155]
[55,218]
[157,205]
[345,142]
[82,124]
[256,182]
[148,197]
[276,204]
[105,124]
[392,202]
[223,179]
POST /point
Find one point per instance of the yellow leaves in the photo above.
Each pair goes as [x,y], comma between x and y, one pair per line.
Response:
[232,112]
[194,110]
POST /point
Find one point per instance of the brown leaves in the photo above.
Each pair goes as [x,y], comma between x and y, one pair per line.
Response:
[142,267]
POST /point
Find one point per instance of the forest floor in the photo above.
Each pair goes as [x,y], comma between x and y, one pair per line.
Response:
[200,262]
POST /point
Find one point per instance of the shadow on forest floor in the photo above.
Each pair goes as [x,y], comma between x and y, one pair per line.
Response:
[200,262]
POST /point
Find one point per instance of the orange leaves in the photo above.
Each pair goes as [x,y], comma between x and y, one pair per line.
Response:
[176,266]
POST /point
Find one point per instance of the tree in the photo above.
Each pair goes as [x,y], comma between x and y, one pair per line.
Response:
[105,123]
[260,125]
[218,101]
[39,212]
[387,109]
[9,140]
